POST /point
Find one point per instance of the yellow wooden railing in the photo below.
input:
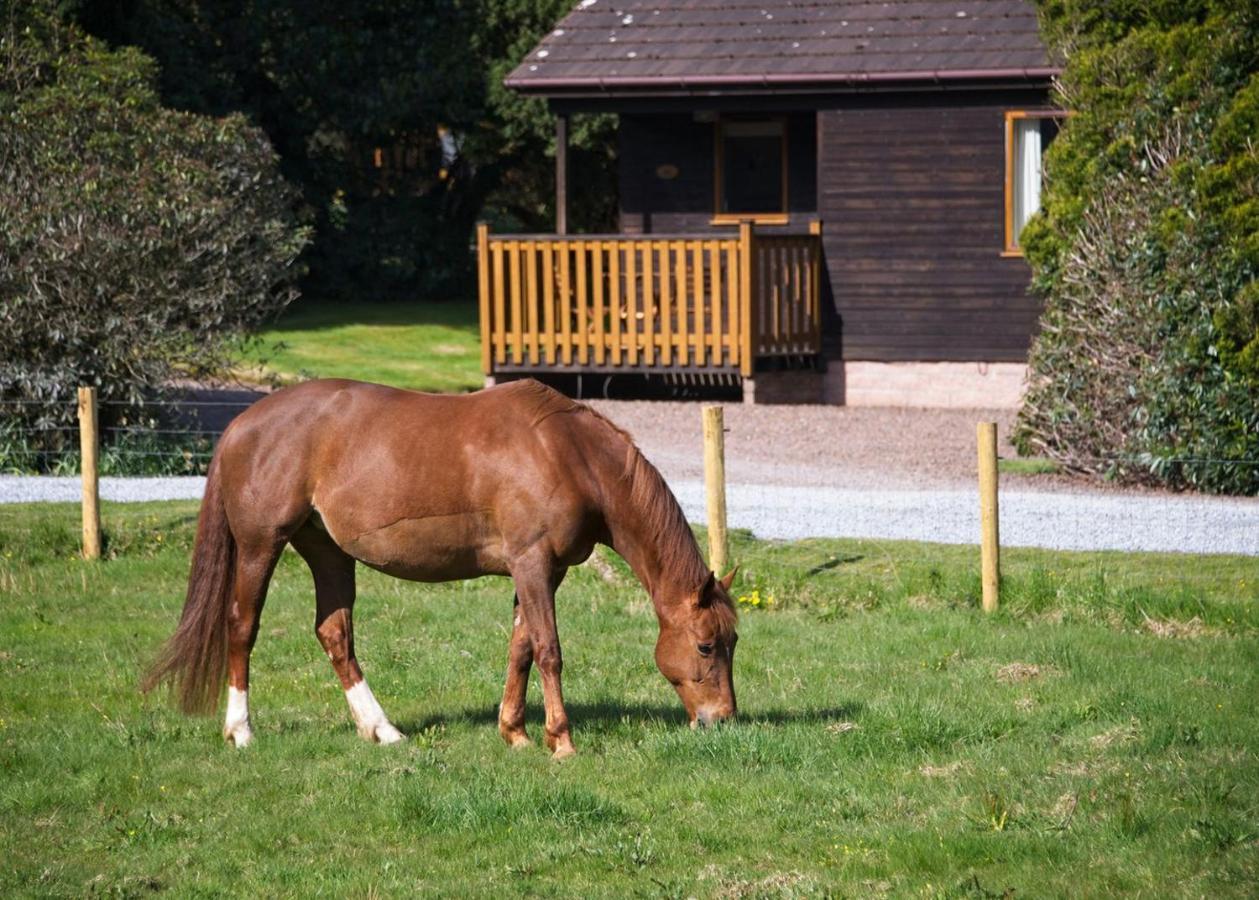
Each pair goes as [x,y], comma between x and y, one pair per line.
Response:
[611,302]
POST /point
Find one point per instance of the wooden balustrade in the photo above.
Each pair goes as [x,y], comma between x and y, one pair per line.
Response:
[617,302]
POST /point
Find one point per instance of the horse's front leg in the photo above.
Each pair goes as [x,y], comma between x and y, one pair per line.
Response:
[536,581]
[511,713]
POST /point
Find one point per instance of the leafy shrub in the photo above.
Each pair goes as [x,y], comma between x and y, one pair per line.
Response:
[1147,248]
[137,244]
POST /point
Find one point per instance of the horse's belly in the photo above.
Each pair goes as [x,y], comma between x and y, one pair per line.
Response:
[429,548]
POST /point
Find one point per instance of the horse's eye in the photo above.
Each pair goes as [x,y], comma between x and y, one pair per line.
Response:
[705,649]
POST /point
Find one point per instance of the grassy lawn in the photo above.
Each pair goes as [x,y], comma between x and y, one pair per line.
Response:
[423,346]
[1096,737]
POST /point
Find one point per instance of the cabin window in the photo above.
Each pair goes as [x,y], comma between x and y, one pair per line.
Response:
[1027,136]
[751,169]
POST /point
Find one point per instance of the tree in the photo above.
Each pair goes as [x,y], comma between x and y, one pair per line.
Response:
[137,244]
[390,115]
[1147,248]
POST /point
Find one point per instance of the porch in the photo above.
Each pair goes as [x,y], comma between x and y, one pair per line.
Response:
[713,303]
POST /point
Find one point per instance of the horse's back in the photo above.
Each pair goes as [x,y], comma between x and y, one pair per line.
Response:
[426,486]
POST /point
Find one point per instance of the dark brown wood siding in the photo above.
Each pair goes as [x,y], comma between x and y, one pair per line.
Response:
[912,202]
[651,204]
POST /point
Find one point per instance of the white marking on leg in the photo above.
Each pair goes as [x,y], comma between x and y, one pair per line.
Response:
[236,725]
[372,722]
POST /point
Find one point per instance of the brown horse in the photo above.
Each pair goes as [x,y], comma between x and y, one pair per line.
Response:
[515,480]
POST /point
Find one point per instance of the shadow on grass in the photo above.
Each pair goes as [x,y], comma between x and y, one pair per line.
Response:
[605,715]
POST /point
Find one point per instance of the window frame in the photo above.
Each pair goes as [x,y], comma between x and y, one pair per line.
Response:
[1009,247]
[783,215]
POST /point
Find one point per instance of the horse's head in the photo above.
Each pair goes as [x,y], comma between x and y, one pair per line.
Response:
[696,651]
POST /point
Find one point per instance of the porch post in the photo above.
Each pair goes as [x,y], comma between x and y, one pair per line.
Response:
[561,174]
[749,311]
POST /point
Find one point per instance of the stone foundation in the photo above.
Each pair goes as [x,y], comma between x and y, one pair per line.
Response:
[958,385]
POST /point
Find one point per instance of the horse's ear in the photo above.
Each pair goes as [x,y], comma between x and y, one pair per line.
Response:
[705,598]
[729,578]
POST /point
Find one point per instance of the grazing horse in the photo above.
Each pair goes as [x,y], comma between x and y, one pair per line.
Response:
[515,480]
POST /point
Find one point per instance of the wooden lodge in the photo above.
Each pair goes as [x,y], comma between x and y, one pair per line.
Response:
[820,200]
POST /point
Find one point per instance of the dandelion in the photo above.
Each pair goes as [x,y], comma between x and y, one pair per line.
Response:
[754,600]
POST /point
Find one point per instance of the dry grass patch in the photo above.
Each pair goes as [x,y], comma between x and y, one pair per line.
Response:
[1113,737]
[780,884]
[1174,628]
[1015,672]
[930,771]
[842,727]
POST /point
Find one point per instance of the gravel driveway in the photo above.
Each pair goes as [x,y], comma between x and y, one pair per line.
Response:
[796,472]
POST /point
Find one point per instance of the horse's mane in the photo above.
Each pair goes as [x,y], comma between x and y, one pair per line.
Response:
[678,551]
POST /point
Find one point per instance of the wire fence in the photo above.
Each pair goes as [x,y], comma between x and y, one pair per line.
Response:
[168,436]
[176,436]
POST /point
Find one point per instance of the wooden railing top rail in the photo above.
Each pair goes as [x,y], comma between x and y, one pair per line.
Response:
[620,238]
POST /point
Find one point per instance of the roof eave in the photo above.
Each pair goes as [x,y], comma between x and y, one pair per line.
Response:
[637,85]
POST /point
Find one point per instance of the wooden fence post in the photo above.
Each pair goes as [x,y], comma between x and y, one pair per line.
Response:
[88,445]
[990,543]
[715,484]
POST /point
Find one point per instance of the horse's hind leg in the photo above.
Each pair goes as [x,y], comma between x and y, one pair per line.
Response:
[333,570]
[511,713]
[254,565]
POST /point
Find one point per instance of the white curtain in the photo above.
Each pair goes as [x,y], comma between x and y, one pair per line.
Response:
[1026,171]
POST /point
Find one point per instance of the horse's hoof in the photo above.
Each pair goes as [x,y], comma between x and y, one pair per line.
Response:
[563,752]
[387,734]
[240,736]
[519,742]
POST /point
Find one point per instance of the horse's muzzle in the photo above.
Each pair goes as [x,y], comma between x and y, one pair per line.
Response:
[707,716]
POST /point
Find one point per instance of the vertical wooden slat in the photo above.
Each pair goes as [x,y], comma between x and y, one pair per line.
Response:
[747,275]
[566,301]
[583,304]
[683,305]
[529,248]
[815,229]
[483,295]
[715,317]
[517,311]
[776,278]
[614,282]
[734,314]
[548,300]
[701,301]
[795,296]
[649,304]
[631,296]
[598,288]
[500,315]
[666,306]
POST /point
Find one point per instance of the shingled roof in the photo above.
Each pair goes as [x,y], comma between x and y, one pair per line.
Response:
[649,46]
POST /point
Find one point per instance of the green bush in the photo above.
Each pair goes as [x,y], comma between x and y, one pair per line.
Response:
[137,244]
[1147,247]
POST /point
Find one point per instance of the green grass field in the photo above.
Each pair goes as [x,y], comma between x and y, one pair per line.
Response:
[422,346]
[1096,737]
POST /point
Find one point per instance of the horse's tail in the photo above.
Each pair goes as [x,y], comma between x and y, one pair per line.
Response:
[194,660]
